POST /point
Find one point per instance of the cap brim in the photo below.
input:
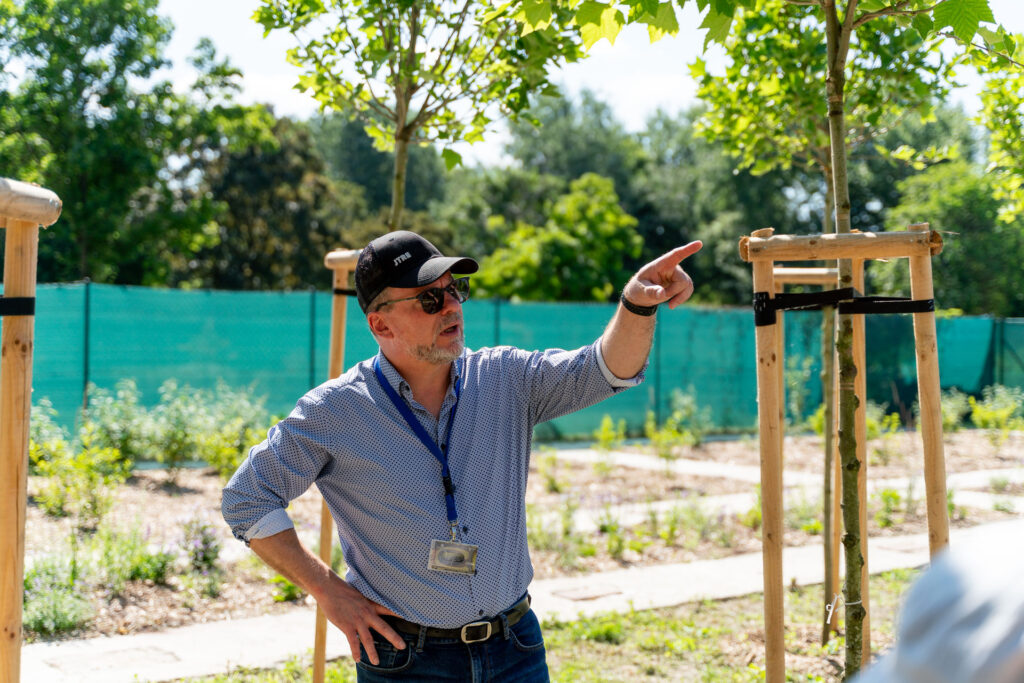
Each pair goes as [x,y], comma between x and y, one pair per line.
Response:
[434,268]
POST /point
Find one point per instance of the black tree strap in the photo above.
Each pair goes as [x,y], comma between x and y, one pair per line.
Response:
[846,299]
[17,305]
[886,304]
[345,292]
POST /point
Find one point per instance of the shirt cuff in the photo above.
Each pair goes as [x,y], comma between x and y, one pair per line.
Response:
[617,382]
[269,524]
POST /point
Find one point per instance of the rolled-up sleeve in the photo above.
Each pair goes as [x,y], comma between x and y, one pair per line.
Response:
[278,470]
[560,382]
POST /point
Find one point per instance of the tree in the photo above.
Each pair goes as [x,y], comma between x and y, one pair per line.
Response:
[567,139]
[958,19]
[352,157]
[78,105]
[578,255]
[84,123]
[980,260]
[418,72]
[767,108]
[1002,114]
[480,204]
[282,215]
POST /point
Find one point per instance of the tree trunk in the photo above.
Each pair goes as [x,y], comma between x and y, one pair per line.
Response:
[828,382]
[830,619]
[398,183]
[838,36]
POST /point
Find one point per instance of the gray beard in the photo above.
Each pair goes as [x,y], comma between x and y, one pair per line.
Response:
[436,356]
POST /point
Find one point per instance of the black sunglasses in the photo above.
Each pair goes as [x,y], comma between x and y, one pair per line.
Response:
[433,299]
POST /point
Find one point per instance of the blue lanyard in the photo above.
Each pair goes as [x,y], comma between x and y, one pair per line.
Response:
[438,452]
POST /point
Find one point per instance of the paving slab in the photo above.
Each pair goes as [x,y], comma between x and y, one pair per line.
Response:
[268,641]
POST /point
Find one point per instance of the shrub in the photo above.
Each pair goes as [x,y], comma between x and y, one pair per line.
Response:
[888,430]
[118,420]
[53,600]
[955,407]
[201,545]
[997,412]
[181,420]
[547,467]
[609,435]
[752,517]
[890,503]
[47,439]
[285,590]
[80,485]
[237,421]
[127,557]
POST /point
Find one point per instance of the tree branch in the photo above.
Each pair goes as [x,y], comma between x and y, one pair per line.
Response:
[893,11]
[983,48]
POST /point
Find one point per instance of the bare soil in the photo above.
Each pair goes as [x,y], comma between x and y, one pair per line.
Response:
[158,509]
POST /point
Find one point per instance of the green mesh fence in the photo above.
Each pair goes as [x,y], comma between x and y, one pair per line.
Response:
[277,343]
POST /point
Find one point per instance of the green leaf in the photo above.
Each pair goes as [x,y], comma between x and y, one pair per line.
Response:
[537,15]
[664,23]
[717,26]
[598,20]
[698,69]
[963,16]
[451,158]
[872,5]
[769,87]
[923,24]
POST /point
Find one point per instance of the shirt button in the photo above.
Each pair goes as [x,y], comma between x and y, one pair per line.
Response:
[481,612]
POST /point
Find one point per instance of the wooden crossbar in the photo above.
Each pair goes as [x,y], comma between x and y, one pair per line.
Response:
[805,276]
[854,245]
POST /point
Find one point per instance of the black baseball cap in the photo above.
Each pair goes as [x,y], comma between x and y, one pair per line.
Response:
[403,259]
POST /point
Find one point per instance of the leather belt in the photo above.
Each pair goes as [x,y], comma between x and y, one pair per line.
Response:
[473,632]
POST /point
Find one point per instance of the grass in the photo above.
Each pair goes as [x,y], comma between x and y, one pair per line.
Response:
[706,641]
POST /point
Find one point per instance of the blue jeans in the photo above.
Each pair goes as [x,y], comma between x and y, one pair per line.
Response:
[515,655]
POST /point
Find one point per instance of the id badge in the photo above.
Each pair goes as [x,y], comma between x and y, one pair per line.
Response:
[449,556]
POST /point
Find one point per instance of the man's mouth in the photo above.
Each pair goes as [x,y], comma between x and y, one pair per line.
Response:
[451,326]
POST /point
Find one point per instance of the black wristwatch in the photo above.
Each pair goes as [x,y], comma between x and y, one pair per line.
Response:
[634,308]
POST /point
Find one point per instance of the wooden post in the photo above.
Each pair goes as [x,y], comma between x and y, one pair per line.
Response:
[929,397]
[771,482]
[860,389]
[341,262]
[780,371]
[23,208]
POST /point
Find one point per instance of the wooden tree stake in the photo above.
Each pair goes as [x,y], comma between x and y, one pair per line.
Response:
[23,208]
[342,262]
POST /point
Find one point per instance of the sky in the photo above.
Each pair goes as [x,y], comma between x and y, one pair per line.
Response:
[635,77]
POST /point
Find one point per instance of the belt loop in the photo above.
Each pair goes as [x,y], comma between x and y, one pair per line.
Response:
[421,639]
[504,625]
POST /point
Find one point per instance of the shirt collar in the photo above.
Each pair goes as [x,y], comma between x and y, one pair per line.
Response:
[398,382]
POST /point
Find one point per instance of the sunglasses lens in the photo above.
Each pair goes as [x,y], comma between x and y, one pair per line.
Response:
[432,300]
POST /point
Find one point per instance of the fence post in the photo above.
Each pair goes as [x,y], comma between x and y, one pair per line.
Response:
[312,337]
[87,314]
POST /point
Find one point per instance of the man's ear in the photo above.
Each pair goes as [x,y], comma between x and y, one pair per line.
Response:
[379,326]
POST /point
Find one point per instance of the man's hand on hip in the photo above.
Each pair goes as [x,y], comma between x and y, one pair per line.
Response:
[355,616]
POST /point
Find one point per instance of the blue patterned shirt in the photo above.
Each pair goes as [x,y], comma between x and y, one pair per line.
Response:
[383,486]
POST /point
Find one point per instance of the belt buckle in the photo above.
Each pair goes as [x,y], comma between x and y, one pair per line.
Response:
[467,640]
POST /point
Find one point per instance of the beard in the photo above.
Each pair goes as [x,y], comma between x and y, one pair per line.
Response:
[436,355]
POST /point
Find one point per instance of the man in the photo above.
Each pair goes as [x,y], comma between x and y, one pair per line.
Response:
[421,454]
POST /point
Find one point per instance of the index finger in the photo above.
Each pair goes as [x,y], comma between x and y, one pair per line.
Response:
[384,628]
[675,256]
